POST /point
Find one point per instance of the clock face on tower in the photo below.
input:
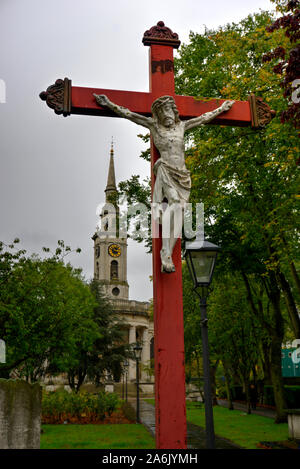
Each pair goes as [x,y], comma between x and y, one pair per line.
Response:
[114,250]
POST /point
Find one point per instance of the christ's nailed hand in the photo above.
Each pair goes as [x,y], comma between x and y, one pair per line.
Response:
[101,99]
[227,105]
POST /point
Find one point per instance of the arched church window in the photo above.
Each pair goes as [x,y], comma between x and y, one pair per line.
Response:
[97,270]
[114,274]
[97,250]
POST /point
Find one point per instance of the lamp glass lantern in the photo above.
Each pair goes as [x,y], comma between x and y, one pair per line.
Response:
[201,259]
[137,349]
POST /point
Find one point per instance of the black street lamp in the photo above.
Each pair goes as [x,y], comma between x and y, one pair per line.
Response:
[137,349]
[126,366]
[201,259]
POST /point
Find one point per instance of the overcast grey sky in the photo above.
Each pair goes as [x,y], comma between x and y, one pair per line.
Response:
[54,169]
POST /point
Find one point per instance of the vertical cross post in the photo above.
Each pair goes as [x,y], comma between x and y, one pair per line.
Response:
[167,288]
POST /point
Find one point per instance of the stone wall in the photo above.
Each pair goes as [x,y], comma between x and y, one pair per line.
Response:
[20,414]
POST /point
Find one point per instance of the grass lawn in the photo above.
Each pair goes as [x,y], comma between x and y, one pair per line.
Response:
[123,436]
[235,425]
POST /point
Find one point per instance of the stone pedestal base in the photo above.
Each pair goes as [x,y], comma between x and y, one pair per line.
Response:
[109,388]
[147,388]
[20,414]
[294,423]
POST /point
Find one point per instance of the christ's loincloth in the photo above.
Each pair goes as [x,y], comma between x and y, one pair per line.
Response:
[172,184]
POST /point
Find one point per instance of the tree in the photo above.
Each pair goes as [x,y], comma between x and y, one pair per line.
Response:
[246,178]
[100,353]
[42,303]
[235,333]
[192,329]
[289,66]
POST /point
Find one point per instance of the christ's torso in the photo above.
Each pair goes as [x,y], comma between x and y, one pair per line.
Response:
[170,144]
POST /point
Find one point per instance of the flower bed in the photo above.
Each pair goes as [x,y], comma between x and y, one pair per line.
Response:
[64,407]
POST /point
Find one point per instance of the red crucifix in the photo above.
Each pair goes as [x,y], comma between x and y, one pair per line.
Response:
[168,308]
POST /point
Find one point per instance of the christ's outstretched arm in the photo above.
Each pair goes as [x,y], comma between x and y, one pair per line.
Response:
[208,116]
[103,100]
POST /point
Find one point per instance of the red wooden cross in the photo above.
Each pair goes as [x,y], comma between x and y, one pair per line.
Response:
[168,308]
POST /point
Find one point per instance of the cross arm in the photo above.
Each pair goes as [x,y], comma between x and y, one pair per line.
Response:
[66,99]
[253,112]
[208,117]
[139,119]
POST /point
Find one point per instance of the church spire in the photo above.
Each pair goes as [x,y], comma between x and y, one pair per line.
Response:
[111,187]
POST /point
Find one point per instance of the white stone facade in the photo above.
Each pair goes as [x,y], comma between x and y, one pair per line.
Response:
[110,268]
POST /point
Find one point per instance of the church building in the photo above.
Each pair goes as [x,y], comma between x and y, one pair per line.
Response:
[110,269]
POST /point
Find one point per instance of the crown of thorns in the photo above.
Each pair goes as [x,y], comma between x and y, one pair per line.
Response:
[159,102]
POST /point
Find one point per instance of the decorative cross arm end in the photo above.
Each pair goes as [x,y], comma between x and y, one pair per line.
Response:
[58,96]
[261,113]
[162,35]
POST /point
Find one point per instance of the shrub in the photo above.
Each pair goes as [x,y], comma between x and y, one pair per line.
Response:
[129,411]
[58,406]
[292,395]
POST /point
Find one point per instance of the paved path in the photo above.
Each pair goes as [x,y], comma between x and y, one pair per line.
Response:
[259,410]
[195,434]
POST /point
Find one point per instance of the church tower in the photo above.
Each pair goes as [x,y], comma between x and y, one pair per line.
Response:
[110,253]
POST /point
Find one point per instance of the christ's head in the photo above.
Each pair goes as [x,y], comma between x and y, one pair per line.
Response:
[165,112]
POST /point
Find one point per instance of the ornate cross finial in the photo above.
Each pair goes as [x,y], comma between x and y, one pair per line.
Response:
[58,96]
[162,35]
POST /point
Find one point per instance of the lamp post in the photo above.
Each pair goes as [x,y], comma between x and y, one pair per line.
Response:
[201,259]
[126,366]
[137,355]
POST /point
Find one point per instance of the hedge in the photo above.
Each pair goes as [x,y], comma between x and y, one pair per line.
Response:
[59,406]
[292,395]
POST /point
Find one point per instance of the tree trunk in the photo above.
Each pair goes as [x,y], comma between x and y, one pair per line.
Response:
[295,275]
[228,387]
[247,392]
[71,380]
[275,352]
[290,303]
[213,370]
[277,381]
[199,380]
[81,378]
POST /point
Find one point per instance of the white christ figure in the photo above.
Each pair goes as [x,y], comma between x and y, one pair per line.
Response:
[173,182]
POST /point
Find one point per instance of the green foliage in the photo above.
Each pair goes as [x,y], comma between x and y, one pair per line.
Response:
[101,353]
[289,66]
[191,312]
[138,192]
[45,307]
[292,394]
[62,404]
[235,333]
[129,411]
[148,368]
[248,182]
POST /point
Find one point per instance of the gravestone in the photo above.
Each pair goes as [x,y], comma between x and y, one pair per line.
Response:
[20,414]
